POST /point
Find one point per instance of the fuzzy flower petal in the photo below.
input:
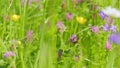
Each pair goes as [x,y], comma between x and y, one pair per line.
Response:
[15,17]
[61,27]
[29,36]
[8,54]
[108,28]
[108,46]
[60,54]
[111,12]
[80,1]
[36,0]
[102,15]
[69,16]
[95,29]
[76,58]
[73,39]
[115,38]
[81,20]
[113,28]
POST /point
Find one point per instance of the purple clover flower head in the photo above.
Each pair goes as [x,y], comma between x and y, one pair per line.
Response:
[73,39]
[95,29]
[22,2]
[8,54]
[79,1]
[102,15]
[61,27]
[7,17]
[36,0]
[114,38]
[30,2]
[76,58]
[29,36]
[60,54]
[108,46]
[69,16]
[108,28]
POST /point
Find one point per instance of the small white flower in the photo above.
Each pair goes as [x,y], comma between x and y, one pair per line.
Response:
[111,12]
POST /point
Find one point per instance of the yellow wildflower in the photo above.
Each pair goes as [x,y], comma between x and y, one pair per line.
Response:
[81,20]
[15,17]
[19,42]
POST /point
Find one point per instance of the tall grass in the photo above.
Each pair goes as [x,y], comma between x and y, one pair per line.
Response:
[43,51]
